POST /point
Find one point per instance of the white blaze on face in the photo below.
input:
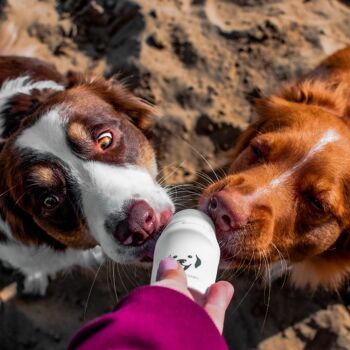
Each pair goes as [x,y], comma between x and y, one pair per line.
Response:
[330,136]
[22,85]
[105,189]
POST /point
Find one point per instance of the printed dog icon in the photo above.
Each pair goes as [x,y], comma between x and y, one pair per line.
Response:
[189,261]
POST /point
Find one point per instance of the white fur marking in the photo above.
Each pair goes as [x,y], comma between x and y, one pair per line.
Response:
[330,136]
[5,228]
[22,85]
[37,263]
[106,189]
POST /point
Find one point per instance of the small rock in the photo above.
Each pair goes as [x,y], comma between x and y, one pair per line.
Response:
[154,41]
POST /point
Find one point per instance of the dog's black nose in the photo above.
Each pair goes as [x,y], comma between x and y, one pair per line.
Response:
[181,261]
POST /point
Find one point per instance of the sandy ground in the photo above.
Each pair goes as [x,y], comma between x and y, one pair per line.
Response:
[202,62]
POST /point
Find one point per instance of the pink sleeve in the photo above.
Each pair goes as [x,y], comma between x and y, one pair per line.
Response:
[154,318]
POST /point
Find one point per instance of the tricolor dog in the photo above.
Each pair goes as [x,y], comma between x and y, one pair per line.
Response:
[77,172]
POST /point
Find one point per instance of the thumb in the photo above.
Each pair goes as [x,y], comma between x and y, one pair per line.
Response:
[218,298]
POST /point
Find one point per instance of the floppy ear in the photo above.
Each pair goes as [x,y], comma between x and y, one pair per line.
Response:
[198,262]
[329,96]
[19,98]
[265,108]
[272,113]
[244,139]
[276,108]
[115,93]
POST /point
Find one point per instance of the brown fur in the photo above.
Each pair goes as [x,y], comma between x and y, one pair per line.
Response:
[314,238]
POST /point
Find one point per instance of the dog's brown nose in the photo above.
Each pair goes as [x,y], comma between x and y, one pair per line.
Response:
[229,210]
[142,219]
[141,223]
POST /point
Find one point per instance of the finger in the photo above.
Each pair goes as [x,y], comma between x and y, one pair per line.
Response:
[171,275]
[218,298]
[169,269]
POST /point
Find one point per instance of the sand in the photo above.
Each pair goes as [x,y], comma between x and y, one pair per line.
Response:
[202,62]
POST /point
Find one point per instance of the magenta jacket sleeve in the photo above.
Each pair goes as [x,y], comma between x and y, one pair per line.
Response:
[151,318]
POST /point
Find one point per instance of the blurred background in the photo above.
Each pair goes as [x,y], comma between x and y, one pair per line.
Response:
[202,62]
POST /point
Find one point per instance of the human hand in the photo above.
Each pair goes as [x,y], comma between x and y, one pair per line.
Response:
[215,301]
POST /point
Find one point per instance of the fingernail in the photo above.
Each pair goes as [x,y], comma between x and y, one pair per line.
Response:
[166,264]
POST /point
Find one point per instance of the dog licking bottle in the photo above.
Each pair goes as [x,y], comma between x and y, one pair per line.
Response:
[190,239]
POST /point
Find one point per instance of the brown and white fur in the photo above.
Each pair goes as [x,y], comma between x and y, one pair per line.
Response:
[77,172]
[287,195]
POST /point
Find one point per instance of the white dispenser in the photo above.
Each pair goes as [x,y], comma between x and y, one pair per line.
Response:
[190,239]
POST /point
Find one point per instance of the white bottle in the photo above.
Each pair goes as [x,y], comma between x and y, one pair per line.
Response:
[190,239]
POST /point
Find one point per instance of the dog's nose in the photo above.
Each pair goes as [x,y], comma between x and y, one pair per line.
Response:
[142,219]
[141,223]
[229,210]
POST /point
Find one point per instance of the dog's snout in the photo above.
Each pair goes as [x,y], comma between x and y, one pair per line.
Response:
[142,222]
[229,210]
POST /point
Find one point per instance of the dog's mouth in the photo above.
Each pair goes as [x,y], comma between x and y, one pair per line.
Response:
[145,252]
[135,232]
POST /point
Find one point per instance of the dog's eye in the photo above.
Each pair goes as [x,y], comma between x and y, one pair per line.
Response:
[50,202]
[315,202]
[257,152]
[105,140]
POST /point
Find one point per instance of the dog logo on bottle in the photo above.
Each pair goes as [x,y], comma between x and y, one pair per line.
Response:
[188,261]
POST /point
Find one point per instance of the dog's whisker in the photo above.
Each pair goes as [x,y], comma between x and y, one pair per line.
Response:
[121,279]
[10,189]
[198,153]
[125,271]
[164,178]
[269,290]
[90,290]
[114,283]
[245,295]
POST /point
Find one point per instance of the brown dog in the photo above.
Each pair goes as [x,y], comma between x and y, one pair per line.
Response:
[287,195]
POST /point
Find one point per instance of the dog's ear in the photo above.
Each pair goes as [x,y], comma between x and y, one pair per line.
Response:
[271,113]
[20,98]
[198,262]
[330,97]
[244,139]
[115,93]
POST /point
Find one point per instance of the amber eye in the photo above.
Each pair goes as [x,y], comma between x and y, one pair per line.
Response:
[50,202]
[104,140]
